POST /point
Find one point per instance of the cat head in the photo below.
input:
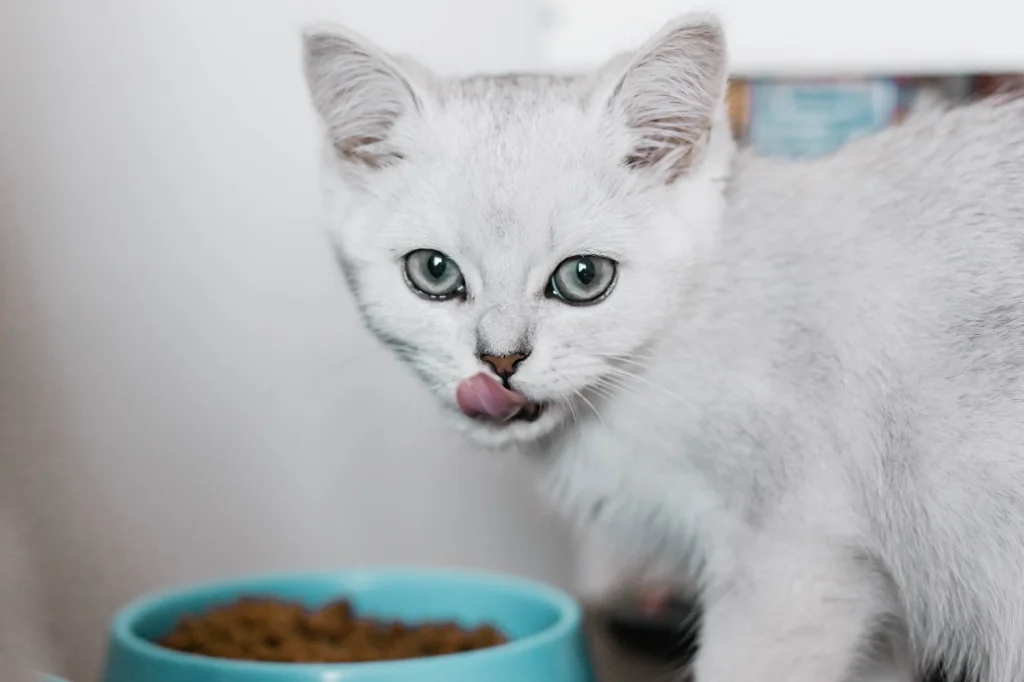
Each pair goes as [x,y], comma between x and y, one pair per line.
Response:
[517,239]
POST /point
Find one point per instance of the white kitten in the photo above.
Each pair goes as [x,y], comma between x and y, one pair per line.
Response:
[805,379]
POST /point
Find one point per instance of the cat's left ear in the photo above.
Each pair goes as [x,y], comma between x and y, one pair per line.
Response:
[668,94]
[360,93]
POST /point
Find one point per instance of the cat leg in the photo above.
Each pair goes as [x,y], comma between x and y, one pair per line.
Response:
[788,613]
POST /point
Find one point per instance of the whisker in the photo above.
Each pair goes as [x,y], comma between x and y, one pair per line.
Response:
[633,362]
[603,393]
[625,356]
[609,390]
[568,401]
[575,417]
[596,412]
[619,383]
[582,397]
[629,375]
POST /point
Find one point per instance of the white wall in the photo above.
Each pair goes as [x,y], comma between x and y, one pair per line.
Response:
[185,379]
[809,37]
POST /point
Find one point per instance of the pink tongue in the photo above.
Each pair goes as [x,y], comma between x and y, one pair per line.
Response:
[482,395]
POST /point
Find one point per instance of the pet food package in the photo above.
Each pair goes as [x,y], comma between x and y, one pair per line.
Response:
[806,118]
[802,118]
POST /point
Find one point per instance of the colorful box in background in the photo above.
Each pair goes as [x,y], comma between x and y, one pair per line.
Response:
[808,118]
[802,119]
[1007,84]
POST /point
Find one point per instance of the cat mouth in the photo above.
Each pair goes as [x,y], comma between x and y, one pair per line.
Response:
[484,398]
[530,412]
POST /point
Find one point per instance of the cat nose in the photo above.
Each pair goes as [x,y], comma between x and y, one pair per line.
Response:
[504,365]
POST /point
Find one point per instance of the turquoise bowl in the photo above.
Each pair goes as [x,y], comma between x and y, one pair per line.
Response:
[544,624]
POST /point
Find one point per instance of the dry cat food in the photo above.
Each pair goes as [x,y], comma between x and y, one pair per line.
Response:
[286,632]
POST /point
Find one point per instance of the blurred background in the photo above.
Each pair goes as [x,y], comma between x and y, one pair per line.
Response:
[185,388]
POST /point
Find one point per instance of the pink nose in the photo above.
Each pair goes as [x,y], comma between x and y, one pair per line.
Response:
[504,365]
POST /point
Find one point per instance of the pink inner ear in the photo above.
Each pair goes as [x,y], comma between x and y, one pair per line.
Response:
[482,395]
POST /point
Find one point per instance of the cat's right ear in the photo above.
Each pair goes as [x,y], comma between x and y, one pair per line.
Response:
[359,92]
[667,93]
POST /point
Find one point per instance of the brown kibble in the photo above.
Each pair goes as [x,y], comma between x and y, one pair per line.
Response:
[285,632]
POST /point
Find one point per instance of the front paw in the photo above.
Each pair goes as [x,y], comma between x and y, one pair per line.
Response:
[800,616]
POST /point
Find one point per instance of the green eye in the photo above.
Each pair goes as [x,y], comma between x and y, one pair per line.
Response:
[434,275]
[582,279]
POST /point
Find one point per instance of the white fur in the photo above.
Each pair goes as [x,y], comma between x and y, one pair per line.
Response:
[808,382]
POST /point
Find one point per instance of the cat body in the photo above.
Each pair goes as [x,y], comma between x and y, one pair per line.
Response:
[845,385]
[804,380]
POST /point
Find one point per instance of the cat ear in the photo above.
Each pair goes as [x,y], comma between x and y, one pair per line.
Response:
[359,92]
[668,95]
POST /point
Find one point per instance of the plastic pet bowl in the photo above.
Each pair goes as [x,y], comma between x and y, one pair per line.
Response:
[544,624]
